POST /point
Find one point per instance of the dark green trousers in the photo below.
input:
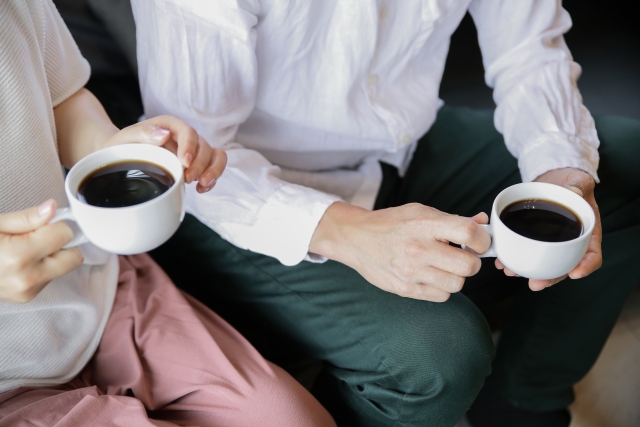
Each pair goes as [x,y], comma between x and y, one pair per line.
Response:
[392,361]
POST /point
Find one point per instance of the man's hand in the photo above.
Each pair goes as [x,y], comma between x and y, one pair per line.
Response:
[31,253]
[202,162]
[403,250]
[583,184]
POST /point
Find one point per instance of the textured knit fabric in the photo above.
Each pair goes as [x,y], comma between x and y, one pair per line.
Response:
[166,360]
[48,340]
[308,95]
[393,361]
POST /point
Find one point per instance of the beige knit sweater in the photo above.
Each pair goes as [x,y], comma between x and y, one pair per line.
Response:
[50,339]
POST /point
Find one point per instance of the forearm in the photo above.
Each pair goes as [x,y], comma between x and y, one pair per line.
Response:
[82,127]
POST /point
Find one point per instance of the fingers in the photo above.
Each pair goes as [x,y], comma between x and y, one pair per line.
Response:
[580,181]
[481,218]
[202,156]
[427,292]
[19,252]
[185,136]
[463,231]
[421,291]
[590,263]
[202,163]
[443,280]
[213,170]
[27,285]
[167,131]
[28,219]
[538,285]
[48,239]
[453,260]
[57,264]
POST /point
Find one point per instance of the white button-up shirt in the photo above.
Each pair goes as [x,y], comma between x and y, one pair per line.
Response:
[308,95]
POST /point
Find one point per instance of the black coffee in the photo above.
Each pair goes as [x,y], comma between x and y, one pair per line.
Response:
[124,184]
[542,220]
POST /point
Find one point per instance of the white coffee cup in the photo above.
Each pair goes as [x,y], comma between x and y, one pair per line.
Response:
[537,259]
[132,229]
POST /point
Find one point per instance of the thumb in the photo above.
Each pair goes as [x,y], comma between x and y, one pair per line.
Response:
[574,189]
[141,133]
[28,219]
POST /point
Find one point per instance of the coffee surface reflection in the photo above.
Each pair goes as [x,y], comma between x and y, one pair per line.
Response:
[542,220]
[123,184]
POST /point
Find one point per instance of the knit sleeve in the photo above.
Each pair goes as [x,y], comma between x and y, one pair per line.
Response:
[66,69]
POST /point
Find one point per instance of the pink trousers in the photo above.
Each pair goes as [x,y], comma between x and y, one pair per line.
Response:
[166,360]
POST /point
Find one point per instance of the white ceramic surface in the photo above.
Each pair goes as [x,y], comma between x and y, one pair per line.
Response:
[535,259]
[132,229]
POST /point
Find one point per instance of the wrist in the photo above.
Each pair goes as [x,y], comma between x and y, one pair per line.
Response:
[334,234]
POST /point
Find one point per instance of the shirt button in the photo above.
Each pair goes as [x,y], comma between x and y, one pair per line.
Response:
[372,79]
[405,138]
[383,12]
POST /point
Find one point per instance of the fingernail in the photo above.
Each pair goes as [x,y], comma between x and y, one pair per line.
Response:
[207,180]
[45,208]
[187,177]
[188,158]
[159,134]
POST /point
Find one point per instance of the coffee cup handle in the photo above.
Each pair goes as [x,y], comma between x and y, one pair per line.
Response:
[65,214]
[489,252]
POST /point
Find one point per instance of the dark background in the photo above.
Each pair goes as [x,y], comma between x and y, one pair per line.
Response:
[605,41]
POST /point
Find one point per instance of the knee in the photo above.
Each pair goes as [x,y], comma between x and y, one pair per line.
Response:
[441,362]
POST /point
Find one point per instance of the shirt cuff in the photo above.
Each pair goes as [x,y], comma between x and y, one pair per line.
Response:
[284,226]
[555,152]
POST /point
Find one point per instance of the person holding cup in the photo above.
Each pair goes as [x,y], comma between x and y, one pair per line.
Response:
[111,342]
[356,179]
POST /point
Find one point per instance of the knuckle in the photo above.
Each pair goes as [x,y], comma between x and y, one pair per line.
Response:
[468,230]
[440,297]
[470,266]
[416,210]
[413,248]
[24,285]
[403,288]
[77,257]
[64,233]
[15,262]
[407,270]
[457,284]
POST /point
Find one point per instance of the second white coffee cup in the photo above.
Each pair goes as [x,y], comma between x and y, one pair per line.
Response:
[132,229]
[537,259]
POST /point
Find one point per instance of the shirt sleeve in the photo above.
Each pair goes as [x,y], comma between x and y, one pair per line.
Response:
[539,108]
[196,60]
[67,71]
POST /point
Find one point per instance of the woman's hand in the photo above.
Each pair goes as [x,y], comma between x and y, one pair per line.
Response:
[202,162]
[31,253]
[82,127]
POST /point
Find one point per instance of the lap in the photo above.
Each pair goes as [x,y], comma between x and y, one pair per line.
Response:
[168,353]
[380,345]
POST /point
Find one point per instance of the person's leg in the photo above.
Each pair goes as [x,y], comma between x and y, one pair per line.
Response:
[68,406]
[552,337]
[167,360]
[188,366]
[393,361]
